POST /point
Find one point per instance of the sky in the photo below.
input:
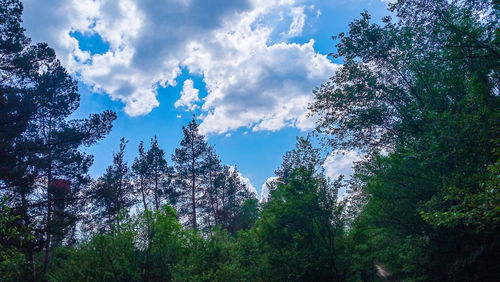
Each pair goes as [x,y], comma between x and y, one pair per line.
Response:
[245,68]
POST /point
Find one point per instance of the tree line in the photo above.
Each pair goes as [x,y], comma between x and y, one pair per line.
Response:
[417,95]
[204,192]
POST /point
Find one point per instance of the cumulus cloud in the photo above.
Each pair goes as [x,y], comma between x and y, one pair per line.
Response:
[189,96]
[268,88]
[253,79]
[264,190]
[341,162]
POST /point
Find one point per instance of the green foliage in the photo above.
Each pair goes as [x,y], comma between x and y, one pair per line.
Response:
[298,237]
[248,214]
[154,247]
[419,95]
[424,90]
[113,192]
[299,228]
[164,243]
[106,257]
[13,264]
[213,259]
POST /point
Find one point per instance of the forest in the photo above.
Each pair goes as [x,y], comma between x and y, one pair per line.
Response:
[418,95]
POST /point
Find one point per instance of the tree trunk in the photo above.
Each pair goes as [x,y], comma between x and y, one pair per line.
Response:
[193,183]
[49,224]
[143,195]
[29,250]
[157,202]
[193,200]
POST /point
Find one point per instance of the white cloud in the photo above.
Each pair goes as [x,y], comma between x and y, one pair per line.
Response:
[258,86]
[189,96]
[341,162]
[264,190]
[253,79]
[298,21]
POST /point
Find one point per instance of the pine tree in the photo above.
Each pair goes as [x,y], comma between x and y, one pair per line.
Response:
[160,174]
[213,168]
[141,173]
[189,163]
[230,197]
[153,176]
[16,103]
[39,146]
[113,193]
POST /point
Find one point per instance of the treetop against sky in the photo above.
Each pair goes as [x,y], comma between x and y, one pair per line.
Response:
[245,68]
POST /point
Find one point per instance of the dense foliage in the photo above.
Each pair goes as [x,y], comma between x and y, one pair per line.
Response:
[418,95]
[421,96]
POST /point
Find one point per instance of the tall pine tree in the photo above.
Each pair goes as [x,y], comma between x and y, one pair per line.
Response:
[160,174]
[113,193]
[39,145]
[189,163]
[213,168]
[141,175]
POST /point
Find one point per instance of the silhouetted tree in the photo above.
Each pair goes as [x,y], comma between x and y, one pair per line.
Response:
[39,145]
[113,192]
[160,175]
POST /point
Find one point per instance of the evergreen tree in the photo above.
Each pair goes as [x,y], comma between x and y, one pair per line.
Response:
[189,163]
[141,173]
[213,168]
[154,176]
[160,174]
[113,192]
[305,156]
[232,194]
[301,231]
[39,146]
[16,99]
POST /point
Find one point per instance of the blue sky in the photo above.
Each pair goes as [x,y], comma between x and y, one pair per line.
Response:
[245,68]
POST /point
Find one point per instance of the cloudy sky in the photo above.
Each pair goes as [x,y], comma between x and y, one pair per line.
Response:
[245,68]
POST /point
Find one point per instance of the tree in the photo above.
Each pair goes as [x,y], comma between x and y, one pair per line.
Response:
[16,103]
[141,173]
[305,156]
[301,230]
[39,145]
[213,169]
[160,174]
[229,198]
[189,163]
[302,156]
[166,244]
[113,191]
[248,214]
[154,175]
[422,90]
